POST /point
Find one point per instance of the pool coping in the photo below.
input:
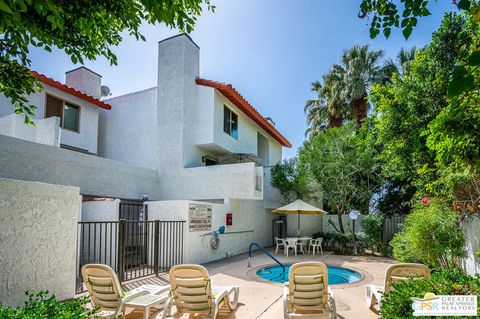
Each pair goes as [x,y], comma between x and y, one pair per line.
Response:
[366,276]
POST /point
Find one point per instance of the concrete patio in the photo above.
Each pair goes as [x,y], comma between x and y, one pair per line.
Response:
[263,300]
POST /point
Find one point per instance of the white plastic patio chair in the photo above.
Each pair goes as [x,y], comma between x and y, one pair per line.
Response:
[290,243]
[106,292]
[316,244]
[395,274]
[279,243]
[192,292]
[307,295]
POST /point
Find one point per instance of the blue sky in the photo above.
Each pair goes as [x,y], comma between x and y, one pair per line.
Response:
[270,50]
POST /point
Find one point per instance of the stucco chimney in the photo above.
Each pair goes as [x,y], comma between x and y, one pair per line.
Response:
[178,68]
[84,80]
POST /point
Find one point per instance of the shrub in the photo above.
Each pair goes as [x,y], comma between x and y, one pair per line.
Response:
[431,235]
[401,249]
[42,306]
[327,239]
[372,226]
[338,242]
[398,303]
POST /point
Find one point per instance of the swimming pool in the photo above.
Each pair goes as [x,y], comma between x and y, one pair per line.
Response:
[336,275]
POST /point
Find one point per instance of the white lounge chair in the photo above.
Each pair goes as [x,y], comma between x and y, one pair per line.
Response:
[291,243]
[106,292]
[192,292]
[395,274]
[279,243]
[316,244]
[307,295]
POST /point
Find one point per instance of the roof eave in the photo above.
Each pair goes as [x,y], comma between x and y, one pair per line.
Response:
[236,98]
[67,89]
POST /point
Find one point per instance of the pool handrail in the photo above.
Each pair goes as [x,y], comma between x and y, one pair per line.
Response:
[265,251]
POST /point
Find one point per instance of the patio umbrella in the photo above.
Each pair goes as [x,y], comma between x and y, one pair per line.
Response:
[299,207]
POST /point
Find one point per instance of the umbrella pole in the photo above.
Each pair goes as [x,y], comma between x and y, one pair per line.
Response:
[298,225]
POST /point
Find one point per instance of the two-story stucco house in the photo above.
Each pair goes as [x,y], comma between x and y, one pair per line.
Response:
[66,115]
[186,142]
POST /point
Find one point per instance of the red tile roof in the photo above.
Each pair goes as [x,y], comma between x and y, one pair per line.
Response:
[65,88]
[236,98]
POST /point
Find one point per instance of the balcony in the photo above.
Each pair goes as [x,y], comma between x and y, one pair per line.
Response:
[233,181]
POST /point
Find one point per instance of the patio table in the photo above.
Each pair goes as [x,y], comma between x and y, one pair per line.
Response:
[146,302]
[301,241]
[156,296]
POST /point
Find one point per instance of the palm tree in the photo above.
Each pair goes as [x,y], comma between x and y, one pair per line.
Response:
[359,69]
[316,110]
[401,64]
[327,110]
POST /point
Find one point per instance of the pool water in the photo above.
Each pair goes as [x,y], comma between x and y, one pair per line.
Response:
[336,275]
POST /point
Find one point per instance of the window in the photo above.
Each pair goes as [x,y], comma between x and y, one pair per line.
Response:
[230,122]
[70,117]
[68,113]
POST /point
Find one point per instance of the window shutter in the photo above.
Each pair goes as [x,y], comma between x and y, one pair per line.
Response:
[53,107]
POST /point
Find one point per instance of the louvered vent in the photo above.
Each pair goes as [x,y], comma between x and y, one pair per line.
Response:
[53,107]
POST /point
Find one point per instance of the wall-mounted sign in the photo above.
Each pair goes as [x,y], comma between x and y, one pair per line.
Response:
[200,217]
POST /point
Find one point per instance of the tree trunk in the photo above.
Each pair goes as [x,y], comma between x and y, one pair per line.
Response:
[360,109]
[340,220]
[335,121]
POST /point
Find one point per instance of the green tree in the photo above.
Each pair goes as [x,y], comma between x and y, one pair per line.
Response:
[329,107]
[290,180]
[359,69]
[341,166]
[82,29]
[401,65]
[405,108]
[387,14]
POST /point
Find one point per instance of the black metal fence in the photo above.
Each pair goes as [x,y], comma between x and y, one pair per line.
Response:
[129,210]
[134,249]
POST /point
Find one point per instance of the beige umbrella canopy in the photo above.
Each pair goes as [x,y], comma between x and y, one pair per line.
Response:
[299,207]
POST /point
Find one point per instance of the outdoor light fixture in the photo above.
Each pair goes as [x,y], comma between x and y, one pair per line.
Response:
[353,215]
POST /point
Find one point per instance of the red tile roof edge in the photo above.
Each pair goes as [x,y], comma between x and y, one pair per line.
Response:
[67,89]
[236,98]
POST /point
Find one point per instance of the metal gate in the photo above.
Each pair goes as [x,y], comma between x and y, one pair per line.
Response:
[130,210]
[391,225]
[132,248]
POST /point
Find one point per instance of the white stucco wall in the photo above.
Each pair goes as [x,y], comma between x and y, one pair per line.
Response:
[347,223]
[471,230]
[128,132]
[178,67]
[205,130]
[212,182]
[251,223]
[87,136]
[309,224]
[38,235]
[100,210]
[24,160]
[46,131]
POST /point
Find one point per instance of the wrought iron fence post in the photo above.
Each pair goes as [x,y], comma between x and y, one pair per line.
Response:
[121,249]
[156,246]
